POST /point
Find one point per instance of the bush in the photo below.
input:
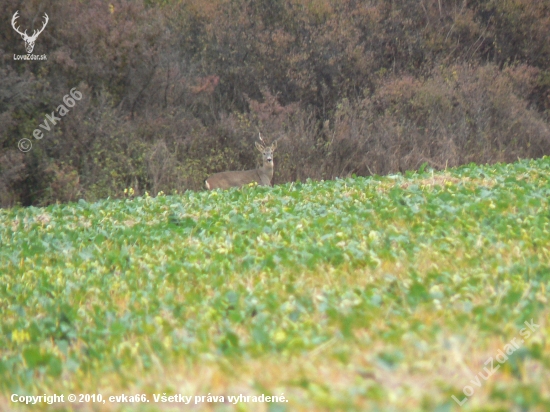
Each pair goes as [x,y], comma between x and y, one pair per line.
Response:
[176,90]
[458,115]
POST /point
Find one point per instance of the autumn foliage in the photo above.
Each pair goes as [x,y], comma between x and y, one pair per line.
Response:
[176,90]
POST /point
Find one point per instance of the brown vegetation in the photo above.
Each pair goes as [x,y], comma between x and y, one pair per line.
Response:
[177,90]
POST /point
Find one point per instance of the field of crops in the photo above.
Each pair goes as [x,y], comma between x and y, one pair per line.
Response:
[382,293]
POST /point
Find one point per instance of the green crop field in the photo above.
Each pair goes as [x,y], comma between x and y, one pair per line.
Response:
[390,293]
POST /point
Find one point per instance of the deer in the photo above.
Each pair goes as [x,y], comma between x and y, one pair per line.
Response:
[261,176]
[29,40]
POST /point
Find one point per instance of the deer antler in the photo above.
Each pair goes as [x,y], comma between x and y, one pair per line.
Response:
[273,144]
[37,32]
[261,138]
[14,18]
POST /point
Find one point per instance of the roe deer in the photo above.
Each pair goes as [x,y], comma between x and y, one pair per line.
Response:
[262,176]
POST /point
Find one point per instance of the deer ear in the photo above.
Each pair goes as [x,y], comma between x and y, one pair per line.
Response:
[259,146]
[274,145]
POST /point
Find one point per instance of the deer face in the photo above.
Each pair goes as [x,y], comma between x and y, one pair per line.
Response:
[29,43]
[267,152]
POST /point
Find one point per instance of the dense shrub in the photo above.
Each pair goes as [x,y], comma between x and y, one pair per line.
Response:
[176,90]
[457,115]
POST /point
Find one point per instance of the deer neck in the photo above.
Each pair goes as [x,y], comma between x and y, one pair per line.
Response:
[267,168]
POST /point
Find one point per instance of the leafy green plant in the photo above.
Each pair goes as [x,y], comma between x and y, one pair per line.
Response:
[351,294]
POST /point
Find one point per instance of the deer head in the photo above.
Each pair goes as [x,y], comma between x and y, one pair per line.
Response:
[266,151]
[29,40]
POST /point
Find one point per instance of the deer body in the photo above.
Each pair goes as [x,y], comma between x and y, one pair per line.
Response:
[261,176]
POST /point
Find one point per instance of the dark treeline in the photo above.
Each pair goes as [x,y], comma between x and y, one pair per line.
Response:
[175,90]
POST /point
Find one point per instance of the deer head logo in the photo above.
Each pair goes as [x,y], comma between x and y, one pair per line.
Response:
[29,40]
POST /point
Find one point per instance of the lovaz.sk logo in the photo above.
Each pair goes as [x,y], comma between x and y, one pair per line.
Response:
[29,40]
